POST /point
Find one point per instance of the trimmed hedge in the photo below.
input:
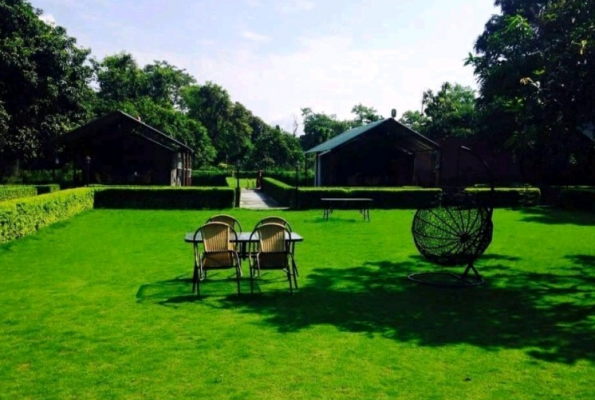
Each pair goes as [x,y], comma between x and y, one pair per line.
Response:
[20,217]
[209,178]
[509,197]
[288,177]
[578,199]
[163,197]
[309,197]
[400,197]
[9,192]
[50,188]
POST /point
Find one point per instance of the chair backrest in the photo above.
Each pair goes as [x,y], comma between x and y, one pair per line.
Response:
[274,220]
[271,238]
[217,236]
[227,219]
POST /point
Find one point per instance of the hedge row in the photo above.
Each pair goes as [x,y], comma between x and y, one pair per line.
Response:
[16,192]
[403,197]
[578,198]
[209,178]
[288,177]
[309,197]
[20,217]
[164,197]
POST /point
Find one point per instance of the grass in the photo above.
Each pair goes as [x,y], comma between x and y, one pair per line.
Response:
[100,307]
[244,183]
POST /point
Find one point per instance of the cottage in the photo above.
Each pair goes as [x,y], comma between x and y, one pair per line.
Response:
[382,153]
[120,149]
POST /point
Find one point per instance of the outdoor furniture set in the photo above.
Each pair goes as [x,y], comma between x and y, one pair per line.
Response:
[221,244]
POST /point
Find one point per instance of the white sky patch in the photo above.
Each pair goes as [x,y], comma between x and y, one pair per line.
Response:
[295,6]
[255,37]
[48,19]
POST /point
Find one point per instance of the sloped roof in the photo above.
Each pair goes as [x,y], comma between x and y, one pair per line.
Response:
[408,138]
[135,127]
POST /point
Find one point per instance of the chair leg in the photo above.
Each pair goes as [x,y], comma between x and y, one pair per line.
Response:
[251,280]
[194,278]
[294,267]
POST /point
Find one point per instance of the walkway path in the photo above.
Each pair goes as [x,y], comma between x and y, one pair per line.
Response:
[257,200]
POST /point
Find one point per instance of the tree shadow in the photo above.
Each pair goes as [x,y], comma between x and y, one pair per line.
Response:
[547,315]
[556,216]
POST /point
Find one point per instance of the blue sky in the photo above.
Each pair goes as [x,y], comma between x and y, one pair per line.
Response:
[276,57]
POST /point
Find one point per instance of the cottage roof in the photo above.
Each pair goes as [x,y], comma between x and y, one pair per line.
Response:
[408,138]
[127,124]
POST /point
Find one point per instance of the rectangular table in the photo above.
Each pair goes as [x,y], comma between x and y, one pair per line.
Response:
[363,205]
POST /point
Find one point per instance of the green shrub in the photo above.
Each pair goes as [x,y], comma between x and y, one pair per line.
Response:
[163,197]
[9,192]
[288,177]
[582,198]
[20,217]
[50,188]
[209,178]
[508,197]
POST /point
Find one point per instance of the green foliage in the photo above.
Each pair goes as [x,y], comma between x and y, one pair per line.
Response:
[320,127]
[166,197]
[209,178]
[309,197]
[154,94]
[508,197]
[21,217]
[288,177]
[364,115]
[535,63]
[44,83]
[16,192]
[448,113]
[51,188]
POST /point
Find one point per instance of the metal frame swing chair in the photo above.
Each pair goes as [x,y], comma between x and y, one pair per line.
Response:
[455,233]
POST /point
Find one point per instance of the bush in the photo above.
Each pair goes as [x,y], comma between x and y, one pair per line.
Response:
[20,217]
[309,197]
[509,197]
[16,192]
[288,177]
[209,178]
[163,197]
[581,198]
[43,189]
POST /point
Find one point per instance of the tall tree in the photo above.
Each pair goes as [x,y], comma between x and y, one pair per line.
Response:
[535,63]
[364,115]
[154,93]
[44,82]
[450,112]
[320,127]
[227,124]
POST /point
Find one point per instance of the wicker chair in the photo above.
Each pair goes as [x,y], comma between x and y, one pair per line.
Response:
[272,252]
[227,219]
[280,221]
[218,252]
[454,233]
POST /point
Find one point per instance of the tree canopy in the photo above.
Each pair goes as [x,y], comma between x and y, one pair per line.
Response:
[534,65]
[44,83]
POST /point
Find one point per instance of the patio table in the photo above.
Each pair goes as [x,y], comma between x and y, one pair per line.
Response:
[363,205]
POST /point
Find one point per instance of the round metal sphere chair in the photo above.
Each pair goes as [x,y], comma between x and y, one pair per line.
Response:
[455,232]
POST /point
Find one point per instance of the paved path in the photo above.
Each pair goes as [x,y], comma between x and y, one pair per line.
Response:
[256,200]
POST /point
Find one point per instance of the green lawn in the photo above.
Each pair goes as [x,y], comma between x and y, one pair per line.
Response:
[100,307]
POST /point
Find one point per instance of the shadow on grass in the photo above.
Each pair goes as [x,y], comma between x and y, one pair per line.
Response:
[556,216]
[547,315]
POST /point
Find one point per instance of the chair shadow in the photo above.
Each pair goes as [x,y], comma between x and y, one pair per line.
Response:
[548,315]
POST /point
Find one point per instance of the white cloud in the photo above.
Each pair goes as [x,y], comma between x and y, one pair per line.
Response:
[255,37]
[48,19]
[295,6]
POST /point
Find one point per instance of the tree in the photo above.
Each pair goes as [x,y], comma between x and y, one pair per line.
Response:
[415,120]
[275,148]
[534,64]
[320,127]
[44,83]
[365,115]
[450,112]
[153,93]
